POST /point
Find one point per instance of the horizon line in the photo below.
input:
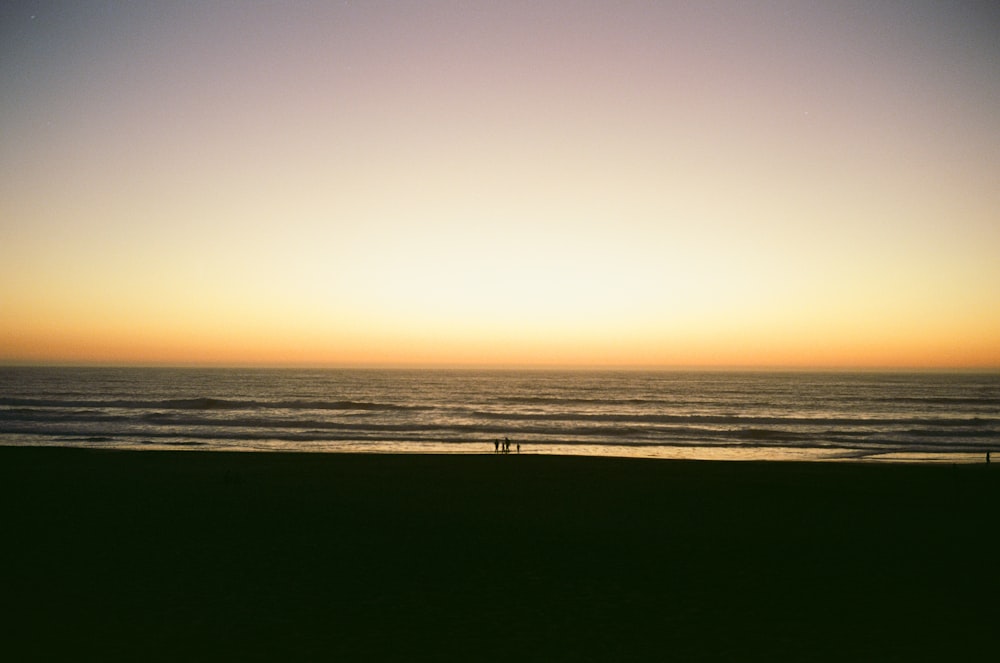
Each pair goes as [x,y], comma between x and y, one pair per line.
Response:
[401,366]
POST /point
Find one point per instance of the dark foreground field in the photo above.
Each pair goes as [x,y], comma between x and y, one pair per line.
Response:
[190,555]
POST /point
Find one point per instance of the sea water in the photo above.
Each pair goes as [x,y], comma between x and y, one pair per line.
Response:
[922,417]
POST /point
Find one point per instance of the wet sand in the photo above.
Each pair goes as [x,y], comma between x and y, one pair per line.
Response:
[194,555]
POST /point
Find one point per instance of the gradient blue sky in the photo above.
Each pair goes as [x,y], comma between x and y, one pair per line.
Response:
[573,183]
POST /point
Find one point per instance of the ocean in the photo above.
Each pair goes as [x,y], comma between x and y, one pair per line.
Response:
[921,417]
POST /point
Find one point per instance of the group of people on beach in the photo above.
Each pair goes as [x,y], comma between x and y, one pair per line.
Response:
[503,446]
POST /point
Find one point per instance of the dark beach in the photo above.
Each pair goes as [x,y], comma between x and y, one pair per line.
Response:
[196,555]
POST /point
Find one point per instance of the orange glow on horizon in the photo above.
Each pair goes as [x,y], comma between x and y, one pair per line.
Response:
[743,349]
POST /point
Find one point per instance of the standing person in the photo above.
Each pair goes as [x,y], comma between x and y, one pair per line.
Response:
[496,446]
[506,445]
[519,447]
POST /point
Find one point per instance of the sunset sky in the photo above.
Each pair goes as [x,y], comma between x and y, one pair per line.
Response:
[753,184]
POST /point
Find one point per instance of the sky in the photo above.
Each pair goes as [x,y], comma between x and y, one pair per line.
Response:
[662,184]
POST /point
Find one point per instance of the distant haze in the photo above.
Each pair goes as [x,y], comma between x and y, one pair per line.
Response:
[501,183]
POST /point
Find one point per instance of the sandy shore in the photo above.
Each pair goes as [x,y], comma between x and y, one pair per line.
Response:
[181,555]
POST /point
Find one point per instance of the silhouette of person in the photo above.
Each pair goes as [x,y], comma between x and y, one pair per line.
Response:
[506,445]
[496,446]
[987,457]
[518,447]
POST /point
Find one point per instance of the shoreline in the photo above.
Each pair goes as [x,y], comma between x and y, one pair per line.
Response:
[661,452]
[153,554]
